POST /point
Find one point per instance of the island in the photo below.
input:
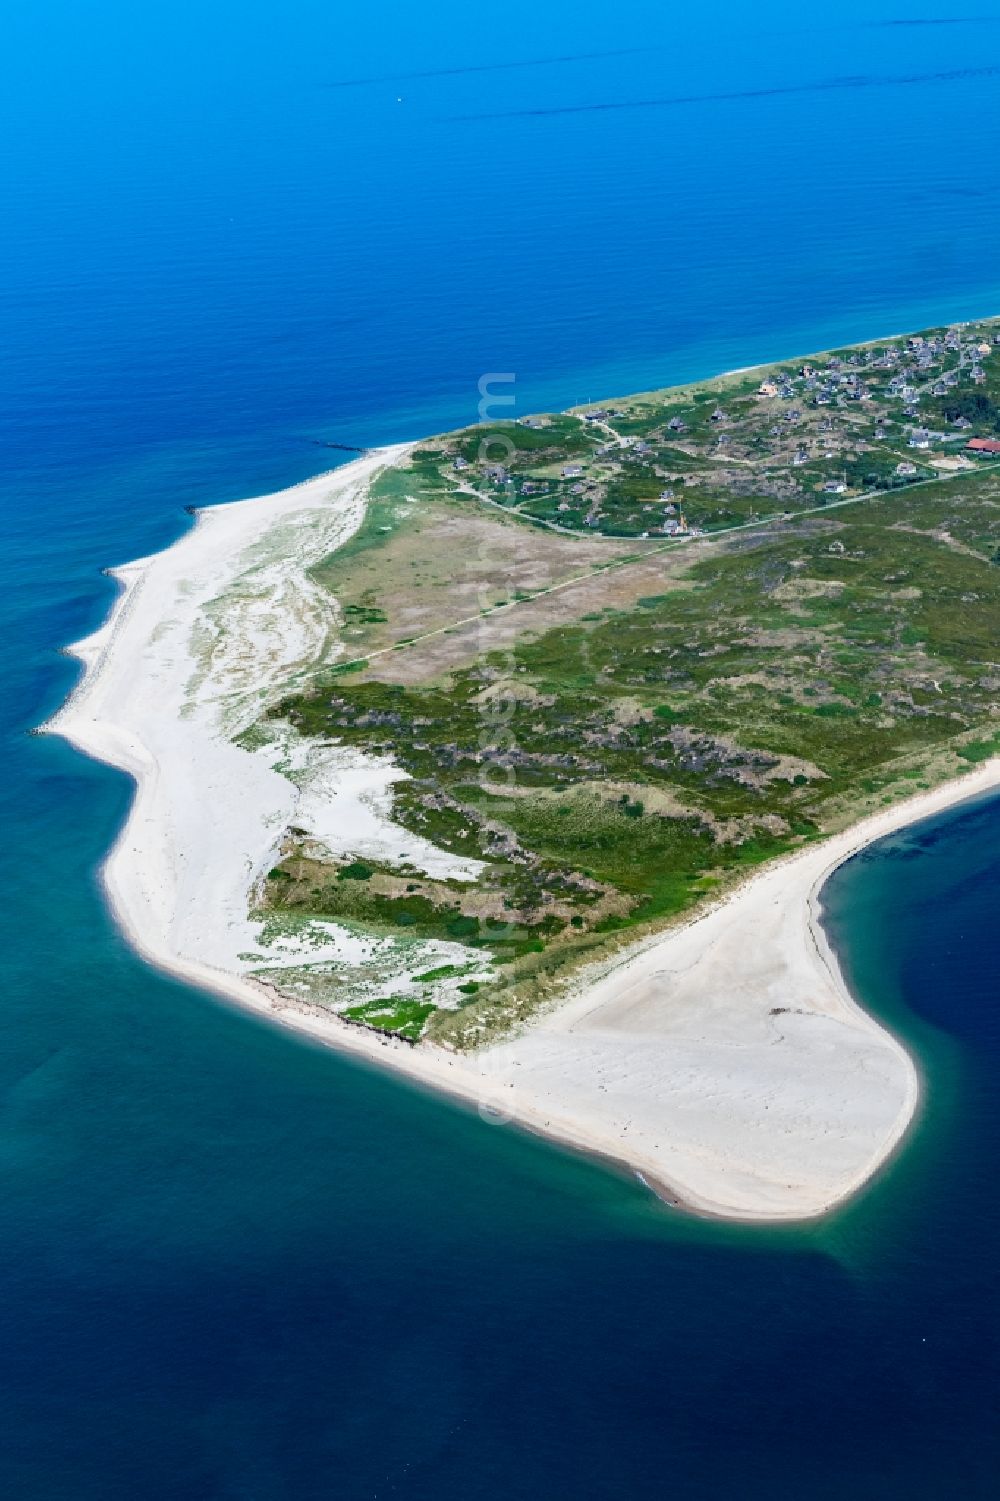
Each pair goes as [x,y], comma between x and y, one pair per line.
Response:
[515,759]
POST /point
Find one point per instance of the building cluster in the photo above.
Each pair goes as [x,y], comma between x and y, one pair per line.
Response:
[843,426]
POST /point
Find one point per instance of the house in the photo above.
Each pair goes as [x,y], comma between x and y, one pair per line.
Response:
[572,471]
[767,388]
[906,471]
[835,487]
[800,457]
[988,447]
[460,463]
[920,438]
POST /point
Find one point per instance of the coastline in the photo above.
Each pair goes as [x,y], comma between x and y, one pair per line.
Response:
[544,1078]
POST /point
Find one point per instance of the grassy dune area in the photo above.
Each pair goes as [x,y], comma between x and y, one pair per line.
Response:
[618,706]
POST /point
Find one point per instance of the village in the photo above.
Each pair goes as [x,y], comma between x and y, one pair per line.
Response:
[749,446]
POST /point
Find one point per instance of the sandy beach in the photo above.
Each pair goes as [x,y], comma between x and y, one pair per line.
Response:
[725,1061]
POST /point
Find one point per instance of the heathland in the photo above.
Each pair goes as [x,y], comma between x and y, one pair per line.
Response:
[625,654]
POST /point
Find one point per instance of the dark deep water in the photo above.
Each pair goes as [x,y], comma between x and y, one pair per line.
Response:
[233,1265]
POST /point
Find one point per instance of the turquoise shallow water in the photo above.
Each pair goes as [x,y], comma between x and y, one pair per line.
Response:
[233,1265]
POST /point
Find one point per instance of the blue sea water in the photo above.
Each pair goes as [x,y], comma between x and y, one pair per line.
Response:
[233,1265]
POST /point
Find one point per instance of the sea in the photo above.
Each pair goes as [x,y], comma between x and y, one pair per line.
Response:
[233,1265]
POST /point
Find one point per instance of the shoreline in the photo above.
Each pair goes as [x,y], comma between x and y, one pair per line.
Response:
[161,916]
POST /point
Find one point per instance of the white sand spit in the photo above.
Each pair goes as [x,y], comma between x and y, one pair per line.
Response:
[725,1061]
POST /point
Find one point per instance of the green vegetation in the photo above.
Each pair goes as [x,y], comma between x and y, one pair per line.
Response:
[391,901]
[398,1014]
[980,750]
